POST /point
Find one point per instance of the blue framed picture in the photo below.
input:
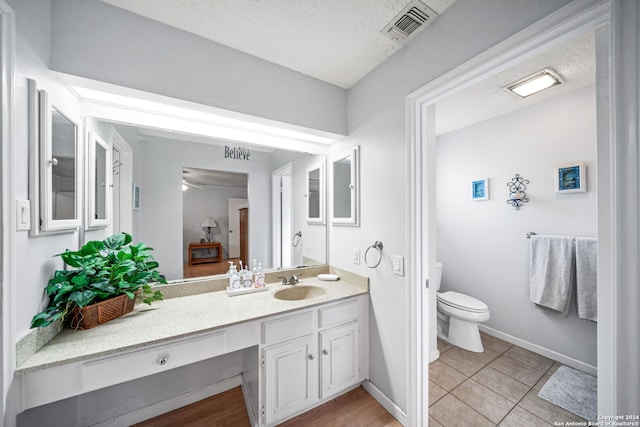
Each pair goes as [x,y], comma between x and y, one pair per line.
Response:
[571,178]
[480,189]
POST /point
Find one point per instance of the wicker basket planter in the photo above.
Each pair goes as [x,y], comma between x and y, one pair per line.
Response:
[96,314]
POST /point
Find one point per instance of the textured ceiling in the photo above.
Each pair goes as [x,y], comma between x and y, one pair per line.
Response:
[574,60]
[337,41]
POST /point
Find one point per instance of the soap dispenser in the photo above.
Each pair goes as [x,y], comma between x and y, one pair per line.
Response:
[259,277]
[234,278]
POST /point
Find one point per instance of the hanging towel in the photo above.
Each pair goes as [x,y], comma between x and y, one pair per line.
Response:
[551,271]
[586,277]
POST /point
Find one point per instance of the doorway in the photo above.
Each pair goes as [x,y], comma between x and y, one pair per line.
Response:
[282,203]
[422,159]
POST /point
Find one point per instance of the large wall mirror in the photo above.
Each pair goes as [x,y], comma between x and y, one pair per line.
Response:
[60,168]
[193,189]
[99,175]
[346,188]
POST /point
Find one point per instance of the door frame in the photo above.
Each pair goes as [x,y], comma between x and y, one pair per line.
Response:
[565,23]
[8,194]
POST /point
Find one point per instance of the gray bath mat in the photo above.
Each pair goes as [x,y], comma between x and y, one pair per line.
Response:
[574,391]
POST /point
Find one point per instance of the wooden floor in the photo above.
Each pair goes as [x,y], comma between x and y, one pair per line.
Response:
[208,269]
[355,408]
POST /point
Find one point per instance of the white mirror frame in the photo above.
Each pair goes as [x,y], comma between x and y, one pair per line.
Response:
[93,142]
[354,218]
[320,219]
[47,223]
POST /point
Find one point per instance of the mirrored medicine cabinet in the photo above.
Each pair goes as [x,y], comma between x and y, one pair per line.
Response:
[60,166]
[346,188]
[99,186]
[315,194]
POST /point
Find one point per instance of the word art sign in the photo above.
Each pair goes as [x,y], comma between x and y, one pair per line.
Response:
[238,153]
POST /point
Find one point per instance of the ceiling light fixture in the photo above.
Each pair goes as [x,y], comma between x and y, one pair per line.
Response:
[535,83]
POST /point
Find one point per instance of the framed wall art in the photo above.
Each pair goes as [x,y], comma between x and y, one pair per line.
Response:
[570,178]
[480,189]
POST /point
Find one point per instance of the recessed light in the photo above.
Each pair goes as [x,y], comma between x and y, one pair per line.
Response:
[535,83]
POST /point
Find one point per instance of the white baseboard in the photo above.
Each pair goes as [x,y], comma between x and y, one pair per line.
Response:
[252,407]
[168,405]
[558,357]
[434,355]
[395,411]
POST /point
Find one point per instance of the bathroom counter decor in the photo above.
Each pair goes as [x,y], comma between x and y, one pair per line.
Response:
[104,275]
[101,312]
[243,291]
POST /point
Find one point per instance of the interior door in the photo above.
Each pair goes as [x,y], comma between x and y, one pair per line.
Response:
[234,225]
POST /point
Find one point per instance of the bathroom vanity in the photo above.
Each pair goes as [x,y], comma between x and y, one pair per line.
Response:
[302,350]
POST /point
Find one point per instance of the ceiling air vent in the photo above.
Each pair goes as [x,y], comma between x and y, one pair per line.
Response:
[409,22]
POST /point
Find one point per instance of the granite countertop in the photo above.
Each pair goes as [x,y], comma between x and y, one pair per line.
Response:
[176,318]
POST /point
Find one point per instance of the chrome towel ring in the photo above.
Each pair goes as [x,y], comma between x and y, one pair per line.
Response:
[378,247]
[295,240]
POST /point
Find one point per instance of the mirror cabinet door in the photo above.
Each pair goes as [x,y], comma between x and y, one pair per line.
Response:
[315,194]
[98,182]
[60,168]
[345,188]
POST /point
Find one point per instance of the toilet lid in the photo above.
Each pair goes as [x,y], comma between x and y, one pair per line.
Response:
[462,301]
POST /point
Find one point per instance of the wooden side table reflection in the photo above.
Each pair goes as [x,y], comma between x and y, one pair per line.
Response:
[217,257]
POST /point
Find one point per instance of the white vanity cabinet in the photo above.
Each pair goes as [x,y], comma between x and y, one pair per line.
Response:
[289,378]
[339,359]
[318,354]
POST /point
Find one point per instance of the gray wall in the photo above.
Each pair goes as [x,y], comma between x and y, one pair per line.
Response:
[98,41]
[482,244]
[376,121]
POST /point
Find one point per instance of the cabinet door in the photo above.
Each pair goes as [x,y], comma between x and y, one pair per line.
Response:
[339,359]
[289,372]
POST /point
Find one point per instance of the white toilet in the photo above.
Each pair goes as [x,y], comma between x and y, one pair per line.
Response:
[458,317]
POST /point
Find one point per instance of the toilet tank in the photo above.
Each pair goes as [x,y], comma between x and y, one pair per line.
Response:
[438,276]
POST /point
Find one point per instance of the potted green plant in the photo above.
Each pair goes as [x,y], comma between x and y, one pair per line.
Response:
[102,284]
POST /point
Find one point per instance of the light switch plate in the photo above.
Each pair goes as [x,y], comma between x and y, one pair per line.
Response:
[356,255]
[23,215]
[398,265]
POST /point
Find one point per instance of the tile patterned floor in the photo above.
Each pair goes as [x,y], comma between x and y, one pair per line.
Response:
[496,388]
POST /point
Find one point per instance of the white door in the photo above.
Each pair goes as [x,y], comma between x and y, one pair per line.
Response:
[290,372]
[281,201]
[339,359]
[234,226]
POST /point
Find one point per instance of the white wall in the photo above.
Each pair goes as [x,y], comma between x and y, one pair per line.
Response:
[482,244]
[98,41]
[376,121]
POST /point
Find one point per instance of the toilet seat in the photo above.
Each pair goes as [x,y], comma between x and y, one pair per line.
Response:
[462,302]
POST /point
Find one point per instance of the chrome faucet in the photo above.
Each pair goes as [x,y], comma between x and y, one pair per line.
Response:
[290,281]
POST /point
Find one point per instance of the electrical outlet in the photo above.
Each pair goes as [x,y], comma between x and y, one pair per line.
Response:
[356,255]
[398,265]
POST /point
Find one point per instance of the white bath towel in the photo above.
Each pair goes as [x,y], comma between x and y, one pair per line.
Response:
[551,271]
[586,277]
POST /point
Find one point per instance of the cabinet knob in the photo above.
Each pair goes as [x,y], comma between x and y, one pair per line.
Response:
[311,357]
[325,351]
[162,361]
